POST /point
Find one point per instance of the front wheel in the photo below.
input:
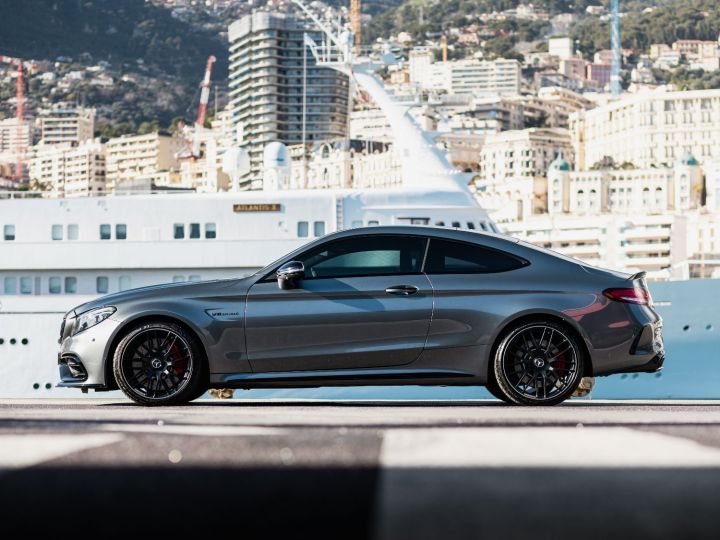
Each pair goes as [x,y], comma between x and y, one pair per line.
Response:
[159,363]
[538,363]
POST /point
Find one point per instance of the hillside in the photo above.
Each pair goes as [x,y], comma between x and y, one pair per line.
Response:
[120,32]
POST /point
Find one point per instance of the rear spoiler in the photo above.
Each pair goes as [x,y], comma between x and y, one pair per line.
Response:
[638,276]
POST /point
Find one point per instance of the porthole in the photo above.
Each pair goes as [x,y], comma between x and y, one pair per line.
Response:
[686,328]
[709,327]
[36,386]
[24,341]
[13,341]
[48,386]
[2,341]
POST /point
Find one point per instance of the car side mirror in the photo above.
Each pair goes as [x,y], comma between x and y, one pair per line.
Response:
[289,274]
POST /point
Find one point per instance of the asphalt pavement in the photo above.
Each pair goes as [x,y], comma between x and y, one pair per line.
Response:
[370,470]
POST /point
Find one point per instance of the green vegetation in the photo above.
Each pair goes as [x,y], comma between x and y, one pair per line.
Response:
[676,19]
[119,32]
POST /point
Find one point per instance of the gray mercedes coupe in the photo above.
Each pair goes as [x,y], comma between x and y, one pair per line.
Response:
[373,306]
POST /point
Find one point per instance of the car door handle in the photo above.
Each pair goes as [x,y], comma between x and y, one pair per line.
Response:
[402,290]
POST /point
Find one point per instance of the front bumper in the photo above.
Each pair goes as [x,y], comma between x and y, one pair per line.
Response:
[81,358]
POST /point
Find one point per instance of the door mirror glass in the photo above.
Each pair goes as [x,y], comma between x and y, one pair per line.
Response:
[289,274]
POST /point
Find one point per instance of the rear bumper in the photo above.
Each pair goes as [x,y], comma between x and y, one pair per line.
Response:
[653,366]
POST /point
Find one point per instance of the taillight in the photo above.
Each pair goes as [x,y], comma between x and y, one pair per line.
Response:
[634,295]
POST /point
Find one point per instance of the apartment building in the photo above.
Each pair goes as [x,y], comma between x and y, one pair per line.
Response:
[512,181]
[270,90]
[65,123]
[135,158]
[649,129]
[70,169]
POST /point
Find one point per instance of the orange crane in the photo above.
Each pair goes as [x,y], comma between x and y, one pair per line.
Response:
[192,141]
[19,110]
[356,23]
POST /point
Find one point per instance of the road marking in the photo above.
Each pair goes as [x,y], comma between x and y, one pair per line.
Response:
[18,451]
[191,429]
[556,447]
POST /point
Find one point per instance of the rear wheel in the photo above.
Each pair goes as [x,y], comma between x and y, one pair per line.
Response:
[159,363]
[538,363]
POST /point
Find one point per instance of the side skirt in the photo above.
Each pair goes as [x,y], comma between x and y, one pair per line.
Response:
[343,377]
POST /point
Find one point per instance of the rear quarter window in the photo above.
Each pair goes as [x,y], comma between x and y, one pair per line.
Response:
[451,257]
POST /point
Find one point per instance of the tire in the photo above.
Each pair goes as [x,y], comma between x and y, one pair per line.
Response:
[159,363]
[538,363]
[492,387]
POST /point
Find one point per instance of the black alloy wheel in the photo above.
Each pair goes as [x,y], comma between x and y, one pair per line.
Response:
[159,363]
[539,363]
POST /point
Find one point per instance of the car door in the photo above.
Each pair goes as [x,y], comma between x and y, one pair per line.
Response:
[475,287]
[364,303]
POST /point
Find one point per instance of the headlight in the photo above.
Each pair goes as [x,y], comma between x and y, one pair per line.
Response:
[91,318]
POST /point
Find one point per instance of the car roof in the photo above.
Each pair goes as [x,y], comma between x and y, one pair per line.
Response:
[475,236]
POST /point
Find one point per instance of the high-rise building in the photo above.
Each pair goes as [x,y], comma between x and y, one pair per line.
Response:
[63,123]
[465,77]
[10,135]
[70,170]
[267,53]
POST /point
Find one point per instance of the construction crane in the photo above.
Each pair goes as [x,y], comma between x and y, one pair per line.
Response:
[19,110]
[356,23]
[191,149]
[615,86]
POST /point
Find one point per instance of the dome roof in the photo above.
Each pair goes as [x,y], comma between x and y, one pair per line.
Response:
[560,164]
[689,160]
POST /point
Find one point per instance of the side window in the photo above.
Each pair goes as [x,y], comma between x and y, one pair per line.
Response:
[121,231]
[9,232]
[105,231]
[319,228]
[57,232]
[179,231]
[10,285]
[366,256]
[54,285]
[210,230]
[194,230]
[70,285]
[302,229]
[102,284]
[124,283]
[449,257]
[26,285]
[73,231]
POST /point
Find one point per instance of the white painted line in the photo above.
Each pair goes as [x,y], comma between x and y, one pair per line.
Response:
[556,447]
[190,429]
[18,451]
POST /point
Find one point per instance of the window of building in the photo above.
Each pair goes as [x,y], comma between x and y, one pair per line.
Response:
[121,231]
[210,231]
[73,231]
[179,231]
[302,229]
[26,285]
[105,231]
[178,279]
[9,232]
[365,256]
[319,228]
[194,230]
[57,232]
[10,285]
[124,283]
[448,257]
[102,284]
[70,285]
[54,285]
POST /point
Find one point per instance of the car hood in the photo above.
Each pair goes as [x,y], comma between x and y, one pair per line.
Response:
[198,288]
